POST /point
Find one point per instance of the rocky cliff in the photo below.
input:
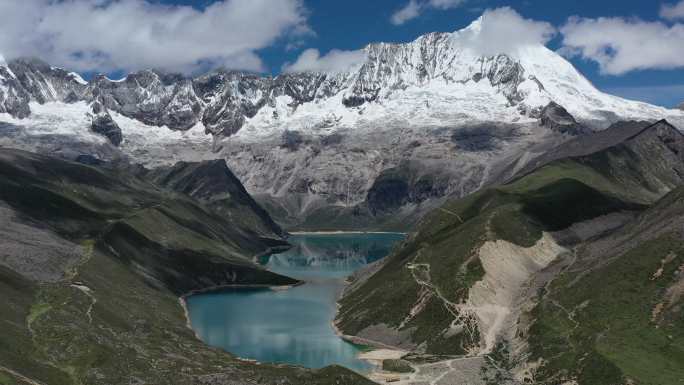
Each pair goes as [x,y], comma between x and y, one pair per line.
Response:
[309,145]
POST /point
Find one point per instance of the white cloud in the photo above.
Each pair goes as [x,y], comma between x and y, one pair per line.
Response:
[446,4]
[415,8]
[334,61]
[408,12]
[503,30]
[672,11]
[107,35]
[621,45]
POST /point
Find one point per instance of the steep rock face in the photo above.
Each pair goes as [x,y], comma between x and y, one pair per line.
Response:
[681,106]
[45,83]
[384,179]
[408,183]
[557,118]
[150,97]
[104,125]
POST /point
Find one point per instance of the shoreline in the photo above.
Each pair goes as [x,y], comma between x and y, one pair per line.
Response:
[377,350]
[356,340]
[184,304]
[270,250]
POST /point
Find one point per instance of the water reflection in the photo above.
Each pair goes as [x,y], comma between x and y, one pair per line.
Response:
[291,326]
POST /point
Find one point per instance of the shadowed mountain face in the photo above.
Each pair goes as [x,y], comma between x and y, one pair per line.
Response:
[529,270]
[310,146]
[93,260]
[212,183]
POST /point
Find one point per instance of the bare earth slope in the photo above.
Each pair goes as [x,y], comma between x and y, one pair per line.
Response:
[471,280]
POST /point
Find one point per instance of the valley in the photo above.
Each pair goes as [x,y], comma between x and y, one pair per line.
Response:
[430,215]
[292,325]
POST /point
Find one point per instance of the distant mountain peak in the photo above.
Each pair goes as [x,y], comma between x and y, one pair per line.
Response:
[436,80]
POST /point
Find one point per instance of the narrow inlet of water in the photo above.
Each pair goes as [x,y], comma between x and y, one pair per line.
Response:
[292,326]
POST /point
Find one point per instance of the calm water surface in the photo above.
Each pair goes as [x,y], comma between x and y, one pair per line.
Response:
[292,326]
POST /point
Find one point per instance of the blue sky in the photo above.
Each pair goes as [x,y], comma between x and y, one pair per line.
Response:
[632,48]
[351,24]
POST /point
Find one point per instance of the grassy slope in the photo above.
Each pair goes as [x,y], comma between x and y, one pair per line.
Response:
[621,177]
[215,185]
[143,246]
[596,324]
[448,240]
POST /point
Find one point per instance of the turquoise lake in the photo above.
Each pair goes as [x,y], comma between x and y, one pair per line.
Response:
[292,326]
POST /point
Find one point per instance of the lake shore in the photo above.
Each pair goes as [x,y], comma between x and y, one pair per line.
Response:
[369,361]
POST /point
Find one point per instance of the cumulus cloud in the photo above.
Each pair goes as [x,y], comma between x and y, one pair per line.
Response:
[408,12]
[621,45]
[446,4]
[415,8]
[503,30]
[334,61]
[108,35]
[672,11]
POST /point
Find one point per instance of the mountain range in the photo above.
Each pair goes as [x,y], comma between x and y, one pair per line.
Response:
[545,217]
[312,145]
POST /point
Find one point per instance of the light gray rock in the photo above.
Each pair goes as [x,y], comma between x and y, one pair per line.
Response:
[33,251]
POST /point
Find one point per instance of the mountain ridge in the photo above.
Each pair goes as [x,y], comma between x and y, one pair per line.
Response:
[490,275]
[313,145]
[441,63]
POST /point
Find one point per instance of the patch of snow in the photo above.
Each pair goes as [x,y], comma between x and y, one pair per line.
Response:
[149,145]
[57,119]
[78,78]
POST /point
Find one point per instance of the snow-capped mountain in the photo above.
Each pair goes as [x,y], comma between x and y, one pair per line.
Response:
[306,141]
[436,79]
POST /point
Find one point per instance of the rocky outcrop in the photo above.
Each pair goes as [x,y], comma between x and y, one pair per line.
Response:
[45,83]
[106,126]
[26,80]
[14,100]
[103,124]
[408,183]
[557,118]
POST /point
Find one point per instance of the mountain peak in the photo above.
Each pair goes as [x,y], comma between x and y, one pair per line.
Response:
[475,26]
[438,79]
